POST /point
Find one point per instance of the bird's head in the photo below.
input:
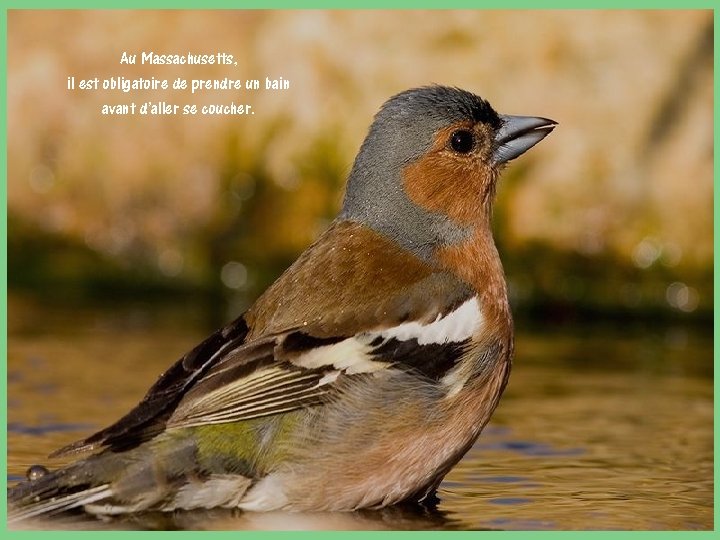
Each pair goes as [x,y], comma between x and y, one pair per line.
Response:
[425,175]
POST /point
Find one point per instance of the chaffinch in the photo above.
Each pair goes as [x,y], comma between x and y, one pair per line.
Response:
[364,373]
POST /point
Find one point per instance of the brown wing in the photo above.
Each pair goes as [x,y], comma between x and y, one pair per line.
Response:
[147,418]
[352,281]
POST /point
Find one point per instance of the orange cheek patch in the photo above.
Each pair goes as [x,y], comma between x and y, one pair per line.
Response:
[453,185]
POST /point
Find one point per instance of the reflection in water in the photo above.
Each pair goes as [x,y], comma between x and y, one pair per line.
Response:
[395,518]
[600,428]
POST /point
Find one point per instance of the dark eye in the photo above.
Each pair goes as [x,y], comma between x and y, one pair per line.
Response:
[462,141]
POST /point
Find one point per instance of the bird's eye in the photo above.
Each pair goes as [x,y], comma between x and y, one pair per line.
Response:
[462,141]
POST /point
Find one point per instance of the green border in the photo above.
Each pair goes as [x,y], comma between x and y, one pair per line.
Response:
[316,4]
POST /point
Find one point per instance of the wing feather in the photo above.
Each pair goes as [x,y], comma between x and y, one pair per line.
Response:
[279,389]
[330,317]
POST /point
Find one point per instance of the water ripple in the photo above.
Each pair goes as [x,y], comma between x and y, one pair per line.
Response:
[44,429]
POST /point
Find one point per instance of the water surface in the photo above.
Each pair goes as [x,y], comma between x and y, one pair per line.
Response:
[601,427]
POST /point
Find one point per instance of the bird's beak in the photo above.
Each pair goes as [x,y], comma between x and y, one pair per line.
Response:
[519,134]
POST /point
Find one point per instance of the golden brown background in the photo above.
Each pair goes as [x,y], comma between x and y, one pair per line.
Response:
[612,214]
[129,238]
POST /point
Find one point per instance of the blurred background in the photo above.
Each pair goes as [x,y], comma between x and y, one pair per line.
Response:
[130,238]
[610,216]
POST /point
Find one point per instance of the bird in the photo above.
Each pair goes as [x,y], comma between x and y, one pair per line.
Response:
[363,374]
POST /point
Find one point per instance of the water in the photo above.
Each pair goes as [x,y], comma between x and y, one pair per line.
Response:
[600,427]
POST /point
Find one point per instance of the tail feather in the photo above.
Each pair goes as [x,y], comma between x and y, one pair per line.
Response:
[163,477]
[23,509]
[67,488]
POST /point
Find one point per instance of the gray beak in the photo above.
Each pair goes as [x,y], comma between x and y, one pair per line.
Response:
[519,134]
